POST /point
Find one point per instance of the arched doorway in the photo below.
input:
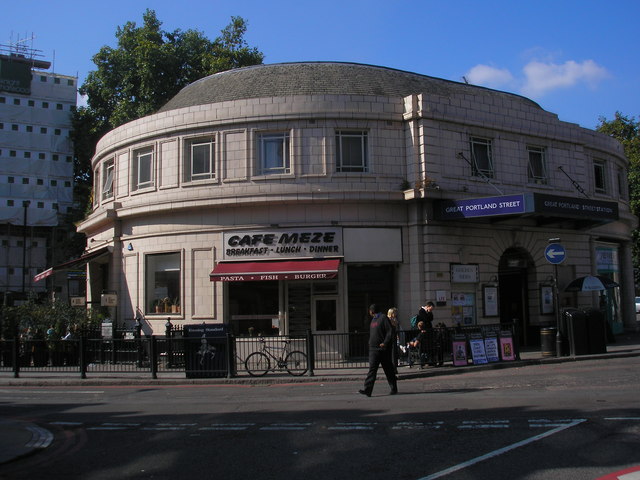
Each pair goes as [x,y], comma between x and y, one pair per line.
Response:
[514,270]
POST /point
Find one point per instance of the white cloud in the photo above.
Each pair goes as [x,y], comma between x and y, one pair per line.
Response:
[538,77]
[541,78]
[489,76]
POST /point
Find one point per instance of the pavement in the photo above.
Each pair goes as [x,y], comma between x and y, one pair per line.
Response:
[21,438]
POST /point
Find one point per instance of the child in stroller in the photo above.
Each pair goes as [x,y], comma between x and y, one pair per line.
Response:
[416,349]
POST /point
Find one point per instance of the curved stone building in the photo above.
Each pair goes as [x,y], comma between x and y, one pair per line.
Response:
[281,198]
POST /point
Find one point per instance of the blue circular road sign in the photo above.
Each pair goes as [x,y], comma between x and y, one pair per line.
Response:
[555,253]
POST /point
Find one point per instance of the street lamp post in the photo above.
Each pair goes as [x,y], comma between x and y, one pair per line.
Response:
[25,206]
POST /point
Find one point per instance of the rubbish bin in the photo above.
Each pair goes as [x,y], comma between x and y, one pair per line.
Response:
[577,332]
[548,341]
[596,331]
[205,350]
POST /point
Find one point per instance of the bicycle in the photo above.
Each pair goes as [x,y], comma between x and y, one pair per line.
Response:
[258,363]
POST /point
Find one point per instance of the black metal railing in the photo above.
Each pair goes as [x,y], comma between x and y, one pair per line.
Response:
[130,352]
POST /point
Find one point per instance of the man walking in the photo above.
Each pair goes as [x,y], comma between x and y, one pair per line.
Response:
[380,351]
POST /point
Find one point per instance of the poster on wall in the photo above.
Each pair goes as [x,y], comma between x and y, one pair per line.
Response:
[478,353]
[459,350]
[490,300]
[463,308]
[546,300]
[441,298]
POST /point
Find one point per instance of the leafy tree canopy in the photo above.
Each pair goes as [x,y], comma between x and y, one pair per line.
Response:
[146,69]
[150,66]
[627,131]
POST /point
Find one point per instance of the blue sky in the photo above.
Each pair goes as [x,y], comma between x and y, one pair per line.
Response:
[577,59]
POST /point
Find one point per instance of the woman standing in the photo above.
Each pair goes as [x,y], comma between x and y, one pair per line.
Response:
[392,313]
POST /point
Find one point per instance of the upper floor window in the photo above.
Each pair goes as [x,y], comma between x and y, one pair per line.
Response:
[200,160]
[107,179]
[274,153]
[537,171]
[623,187]
[142,169]
[599,176]
[481,158]
[352,151]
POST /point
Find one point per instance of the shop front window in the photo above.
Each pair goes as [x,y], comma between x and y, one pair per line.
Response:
[254,308]
[162,283]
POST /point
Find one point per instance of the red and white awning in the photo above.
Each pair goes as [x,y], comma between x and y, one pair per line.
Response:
[275,270]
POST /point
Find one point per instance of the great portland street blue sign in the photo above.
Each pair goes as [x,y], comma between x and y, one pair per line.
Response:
[481,207]
[527,204]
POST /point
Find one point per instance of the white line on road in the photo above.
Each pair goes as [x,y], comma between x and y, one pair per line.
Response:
[545,423]
[353,426]
[500,451]
[416,425]
[472,424]
[40,438]
[228,426]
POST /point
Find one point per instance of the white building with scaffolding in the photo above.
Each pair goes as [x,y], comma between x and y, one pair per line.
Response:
[36,164]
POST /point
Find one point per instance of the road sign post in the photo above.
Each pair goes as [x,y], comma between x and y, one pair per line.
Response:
[556,254]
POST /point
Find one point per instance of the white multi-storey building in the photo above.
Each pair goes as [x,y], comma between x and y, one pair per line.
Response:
[36,166]
[282,198]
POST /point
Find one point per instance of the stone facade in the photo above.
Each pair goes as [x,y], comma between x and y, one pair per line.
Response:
[369,154]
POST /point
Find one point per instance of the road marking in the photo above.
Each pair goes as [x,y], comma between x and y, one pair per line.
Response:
[228,426]
[40,438]
[109,424]
[632,473]
[476,425]
[286,426]
[417,425]
[344,426]
[49,392]
[106,428]
[545,423]
[500,451]
[176,424]
[163,429]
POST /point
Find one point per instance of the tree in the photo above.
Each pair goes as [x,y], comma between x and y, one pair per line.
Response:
[627,131]
[146,69]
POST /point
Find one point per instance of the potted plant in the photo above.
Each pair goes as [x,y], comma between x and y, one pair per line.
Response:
[158,305]
[175,305]
[166,302]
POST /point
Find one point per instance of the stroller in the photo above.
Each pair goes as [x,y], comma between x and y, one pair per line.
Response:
[416,351]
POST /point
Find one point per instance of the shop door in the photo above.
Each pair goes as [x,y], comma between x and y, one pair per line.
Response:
[513,302]
[324,322]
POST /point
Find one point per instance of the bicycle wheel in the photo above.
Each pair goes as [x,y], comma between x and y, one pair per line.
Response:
[257,364]
[296,363]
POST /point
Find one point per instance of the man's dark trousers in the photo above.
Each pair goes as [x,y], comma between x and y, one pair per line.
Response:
[380,356]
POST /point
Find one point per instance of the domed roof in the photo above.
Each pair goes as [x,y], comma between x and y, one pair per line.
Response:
[319,78]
